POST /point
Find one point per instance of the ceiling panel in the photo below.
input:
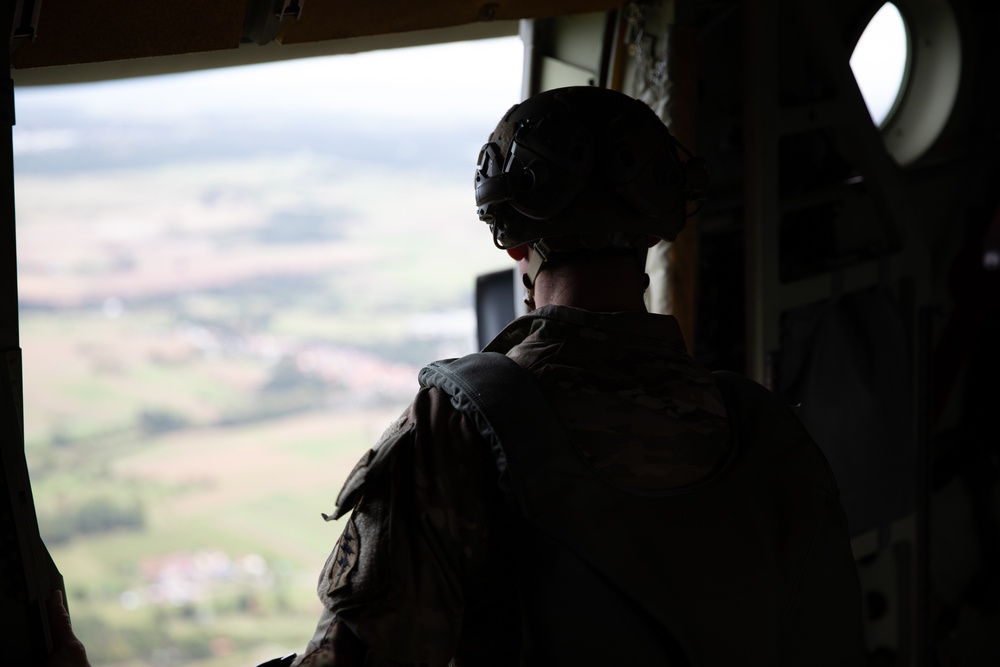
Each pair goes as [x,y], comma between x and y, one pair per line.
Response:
[356,18]
[75,31]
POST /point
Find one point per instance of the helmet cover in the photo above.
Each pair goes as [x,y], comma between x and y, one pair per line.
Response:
[583,167]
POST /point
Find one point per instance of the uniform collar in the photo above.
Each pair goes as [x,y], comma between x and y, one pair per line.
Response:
[549,322]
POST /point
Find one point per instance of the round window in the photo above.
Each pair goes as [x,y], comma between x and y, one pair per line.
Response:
[880,62]
[908,65]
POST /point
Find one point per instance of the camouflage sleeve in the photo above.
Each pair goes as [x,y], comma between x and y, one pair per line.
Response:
[396,576]
[333,645]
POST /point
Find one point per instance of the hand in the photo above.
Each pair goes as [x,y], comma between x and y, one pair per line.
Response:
[68,651]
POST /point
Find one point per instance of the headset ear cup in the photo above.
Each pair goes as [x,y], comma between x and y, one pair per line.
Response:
[491,186]
[508,226]
[557,154]
[552,190]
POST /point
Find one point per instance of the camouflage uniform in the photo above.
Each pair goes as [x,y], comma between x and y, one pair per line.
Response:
[422,570]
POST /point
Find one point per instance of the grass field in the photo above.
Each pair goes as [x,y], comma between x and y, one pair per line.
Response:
[211,415]
[210,341]
[207,486]
[230,494]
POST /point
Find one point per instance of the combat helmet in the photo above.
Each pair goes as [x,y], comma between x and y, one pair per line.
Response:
[584,168]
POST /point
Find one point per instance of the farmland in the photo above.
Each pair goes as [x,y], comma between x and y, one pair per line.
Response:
[211,339]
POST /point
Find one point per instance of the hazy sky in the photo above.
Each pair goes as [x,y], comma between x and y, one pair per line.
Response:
[389,138]
[429,86]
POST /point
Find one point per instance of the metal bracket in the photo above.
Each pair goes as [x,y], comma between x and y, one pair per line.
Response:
[25,23]
[23,26]
[265,18]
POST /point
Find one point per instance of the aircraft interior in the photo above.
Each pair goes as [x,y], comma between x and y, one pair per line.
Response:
[847,258]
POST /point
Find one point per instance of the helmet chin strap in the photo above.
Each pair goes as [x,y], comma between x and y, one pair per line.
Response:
[536,259]
[539,255]
[529,294]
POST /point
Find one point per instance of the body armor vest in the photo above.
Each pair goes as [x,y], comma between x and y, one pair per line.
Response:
[738,569]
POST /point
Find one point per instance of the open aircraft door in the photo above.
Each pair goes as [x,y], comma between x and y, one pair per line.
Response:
[59,41]
[850,266]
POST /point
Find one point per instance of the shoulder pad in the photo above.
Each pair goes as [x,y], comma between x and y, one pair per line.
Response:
[370,464]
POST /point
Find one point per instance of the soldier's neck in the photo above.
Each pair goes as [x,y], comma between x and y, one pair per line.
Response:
[611,287]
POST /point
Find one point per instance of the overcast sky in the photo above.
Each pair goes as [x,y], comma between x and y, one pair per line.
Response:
[429,85]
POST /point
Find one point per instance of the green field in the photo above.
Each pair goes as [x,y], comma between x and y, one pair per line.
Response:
[223,493]
[196,391]
[149,455]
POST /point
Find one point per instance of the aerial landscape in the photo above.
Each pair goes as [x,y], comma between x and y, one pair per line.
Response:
[224,299]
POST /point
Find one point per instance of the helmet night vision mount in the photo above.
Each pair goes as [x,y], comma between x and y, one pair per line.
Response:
[585,167]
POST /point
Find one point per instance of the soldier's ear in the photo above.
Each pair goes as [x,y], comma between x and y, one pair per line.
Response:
[518,252]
